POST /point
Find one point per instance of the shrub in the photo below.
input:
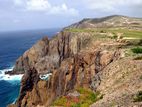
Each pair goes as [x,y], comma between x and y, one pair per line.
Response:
[138,97]
[93,97]
[102,31]
[76,105]
[137,50]
[114,37]
[140,42]
[138,58]
[141,77]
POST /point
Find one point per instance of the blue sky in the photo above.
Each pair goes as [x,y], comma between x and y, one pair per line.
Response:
[38,14]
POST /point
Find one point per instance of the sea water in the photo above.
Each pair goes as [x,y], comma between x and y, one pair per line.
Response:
[12,45]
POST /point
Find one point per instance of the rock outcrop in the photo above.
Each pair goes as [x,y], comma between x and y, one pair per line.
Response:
[30,57]
[72,58]
[75,59]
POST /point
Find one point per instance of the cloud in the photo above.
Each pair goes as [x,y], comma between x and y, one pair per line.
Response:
[112,5]
[16,21]
[63,9]
[18,2]
[38,5]
[45,6]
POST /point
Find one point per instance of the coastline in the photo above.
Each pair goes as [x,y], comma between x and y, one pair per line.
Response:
[13,81]
[20,41]
[8,77]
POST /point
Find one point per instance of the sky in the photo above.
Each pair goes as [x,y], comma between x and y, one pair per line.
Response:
[42,14]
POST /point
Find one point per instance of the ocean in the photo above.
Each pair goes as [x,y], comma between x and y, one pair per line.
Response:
[12,45]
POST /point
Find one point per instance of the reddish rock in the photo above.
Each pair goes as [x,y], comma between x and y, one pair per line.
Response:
[72,65]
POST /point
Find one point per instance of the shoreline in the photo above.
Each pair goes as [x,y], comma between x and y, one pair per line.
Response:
[6,76]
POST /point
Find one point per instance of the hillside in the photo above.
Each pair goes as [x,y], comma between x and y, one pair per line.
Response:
[95,62]
[109,21]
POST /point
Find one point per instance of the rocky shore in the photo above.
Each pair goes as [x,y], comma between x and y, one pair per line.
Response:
[78,58]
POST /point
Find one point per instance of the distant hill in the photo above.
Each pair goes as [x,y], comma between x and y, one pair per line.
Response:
[109,21]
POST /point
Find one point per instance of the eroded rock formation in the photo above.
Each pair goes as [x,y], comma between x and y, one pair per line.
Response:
[74,59]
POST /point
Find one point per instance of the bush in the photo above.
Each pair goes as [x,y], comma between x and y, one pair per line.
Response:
[138,97]
[141,77]
[93,97]
[114,37]
[137,50]
[140,42]
[76,105]
[138,58]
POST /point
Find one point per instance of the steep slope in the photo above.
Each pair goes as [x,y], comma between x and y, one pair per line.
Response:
[120,82]
[88,58]
[71,65]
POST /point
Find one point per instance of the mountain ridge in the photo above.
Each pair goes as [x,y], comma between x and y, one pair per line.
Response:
[108,21]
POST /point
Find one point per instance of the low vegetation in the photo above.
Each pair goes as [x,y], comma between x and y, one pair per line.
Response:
[135,34]
[81,30]
[137,50]
[86,98]
[138,97]
[138,58]
[141,77]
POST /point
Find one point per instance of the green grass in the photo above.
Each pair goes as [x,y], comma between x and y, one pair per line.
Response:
[138,97]
[126,32]
[80,30]
[60,101]
[86,98]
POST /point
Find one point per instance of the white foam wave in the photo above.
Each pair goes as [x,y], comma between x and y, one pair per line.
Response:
[8,77]
[14,101]
[8,69]
[11,77]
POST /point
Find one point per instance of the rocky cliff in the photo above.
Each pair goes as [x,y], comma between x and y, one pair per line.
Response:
[71,59]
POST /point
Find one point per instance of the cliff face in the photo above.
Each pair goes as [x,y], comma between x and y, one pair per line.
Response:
[52,52]
[77,71]
[30,57]
[82,58]
[74,59]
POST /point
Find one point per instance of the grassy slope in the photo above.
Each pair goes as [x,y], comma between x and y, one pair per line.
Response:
[126,33]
